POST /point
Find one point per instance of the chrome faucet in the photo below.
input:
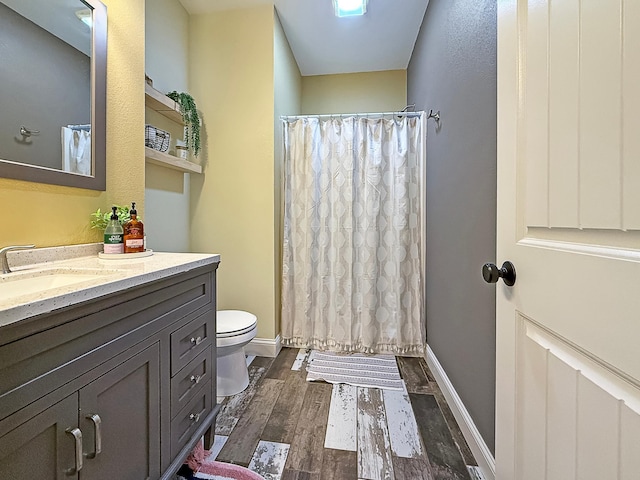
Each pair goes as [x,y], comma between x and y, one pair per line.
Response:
[4,265]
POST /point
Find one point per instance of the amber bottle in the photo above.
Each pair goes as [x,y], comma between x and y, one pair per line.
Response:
[133,233]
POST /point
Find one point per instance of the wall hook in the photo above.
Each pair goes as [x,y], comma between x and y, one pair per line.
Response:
[435,115]
[27,132]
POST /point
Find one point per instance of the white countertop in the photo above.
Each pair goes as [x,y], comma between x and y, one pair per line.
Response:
[115,276]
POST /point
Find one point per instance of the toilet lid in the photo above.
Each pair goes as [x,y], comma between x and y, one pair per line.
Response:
[234,322]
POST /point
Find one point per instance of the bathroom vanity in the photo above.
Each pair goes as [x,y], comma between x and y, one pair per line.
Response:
[111,376]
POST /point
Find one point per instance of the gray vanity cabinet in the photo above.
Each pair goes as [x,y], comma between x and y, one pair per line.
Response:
[123,384]
[123,407]
[118,418]
[45,434]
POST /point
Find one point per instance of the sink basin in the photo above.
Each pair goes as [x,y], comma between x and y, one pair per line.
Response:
[27,282]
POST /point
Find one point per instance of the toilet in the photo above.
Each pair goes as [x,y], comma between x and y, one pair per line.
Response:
[234,330]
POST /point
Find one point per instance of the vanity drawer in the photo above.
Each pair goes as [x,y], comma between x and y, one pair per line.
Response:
[187,382]
[188,419]
[191,340]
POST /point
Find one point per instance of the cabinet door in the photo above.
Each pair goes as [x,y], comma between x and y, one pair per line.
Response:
[120,420]
[44,446]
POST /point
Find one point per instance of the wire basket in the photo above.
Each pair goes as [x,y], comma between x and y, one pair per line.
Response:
[156,138]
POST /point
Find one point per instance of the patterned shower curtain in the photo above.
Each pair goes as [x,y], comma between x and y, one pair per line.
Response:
[353,245]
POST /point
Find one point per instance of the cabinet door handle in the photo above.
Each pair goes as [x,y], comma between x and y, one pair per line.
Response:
[97,424]
[77,435]
[196,379]
[196,341]
[194,417]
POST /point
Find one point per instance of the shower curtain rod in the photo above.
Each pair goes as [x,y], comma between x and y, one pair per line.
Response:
[330,115]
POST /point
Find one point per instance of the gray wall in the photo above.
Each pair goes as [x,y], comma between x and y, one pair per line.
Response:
[45,84]
[453,69]
[167,192]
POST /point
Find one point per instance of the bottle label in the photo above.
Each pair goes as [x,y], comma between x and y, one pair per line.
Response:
[134,242]
[113,243]
[112,238]
[135,231]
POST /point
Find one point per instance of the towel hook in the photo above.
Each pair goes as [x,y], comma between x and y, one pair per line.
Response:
[27,132]
[435,115]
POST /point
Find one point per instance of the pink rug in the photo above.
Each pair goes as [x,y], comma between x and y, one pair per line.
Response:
[211,470]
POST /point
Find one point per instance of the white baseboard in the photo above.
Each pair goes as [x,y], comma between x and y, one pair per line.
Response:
[481,452]
[264,347]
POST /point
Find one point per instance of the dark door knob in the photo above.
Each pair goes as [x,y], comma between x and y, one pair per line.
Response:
[491,273]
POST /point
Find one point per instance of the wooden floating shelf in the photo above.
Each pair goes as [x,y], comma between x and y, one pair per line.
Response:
[170,161]
[162,104]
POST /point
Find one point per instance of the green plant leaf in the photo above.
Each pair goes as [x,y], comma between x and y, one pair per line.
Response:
[100,219]
[190,117]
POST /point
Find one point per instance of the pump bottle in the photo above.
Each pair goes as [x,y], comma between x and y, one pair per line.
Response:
[113,235]
[133,233]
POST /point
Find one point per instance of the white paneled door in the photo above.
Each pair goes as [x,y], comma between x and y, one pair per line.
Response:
[568,331]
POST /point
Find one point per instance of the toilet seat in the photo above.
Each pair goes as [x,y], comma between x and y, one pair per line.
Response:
[233,323]
[234,334]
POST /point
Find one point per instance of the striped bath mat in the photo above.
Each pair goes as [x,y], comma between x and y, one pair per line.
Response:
[361,370]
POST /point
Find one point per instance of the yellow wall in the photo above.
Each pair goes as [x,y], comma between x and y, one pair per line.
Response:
[48,215]
[287,97]
[384,91]
[232,202]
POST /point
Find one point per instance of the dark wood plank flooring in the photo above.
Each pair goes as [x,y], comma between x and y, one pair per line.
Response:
[280,406]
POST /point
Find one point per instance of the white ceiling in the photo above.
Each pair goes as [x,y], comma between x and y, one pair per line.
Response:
[322,44]
[58,17]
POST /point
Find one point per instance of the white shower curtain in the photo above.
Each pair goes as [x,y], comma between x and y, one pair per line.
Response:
[353,245]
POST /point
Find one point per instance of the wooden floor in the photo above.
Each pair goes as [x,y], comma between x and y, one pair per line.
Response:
[283,427]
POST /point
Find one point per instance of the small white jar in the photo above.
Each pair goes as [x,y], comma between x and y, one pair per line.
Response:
[182,151]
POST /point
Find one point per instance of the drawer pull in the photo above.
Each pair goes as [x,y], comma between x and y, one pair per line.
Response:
[196,341]
[194,417]
[97,424]
[196,378]
[77,435]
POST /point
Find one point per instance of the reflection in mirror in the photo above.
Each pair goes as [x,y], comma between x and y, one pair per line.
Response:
[52,98]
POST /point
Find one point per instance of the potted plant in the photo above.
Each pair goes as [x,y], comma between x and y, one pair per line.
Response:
[190,117]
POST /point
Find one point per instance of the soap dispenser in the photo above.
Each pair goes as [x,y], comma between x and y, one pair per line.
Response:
[133,233]
[114,234]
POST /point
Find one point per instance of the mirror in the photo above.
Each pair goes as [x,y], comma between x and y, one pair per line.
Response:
[53,92]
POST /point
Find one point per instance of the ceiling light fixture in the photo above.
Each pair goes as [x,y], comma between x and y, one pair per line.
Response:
[85,16]
[350,8]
